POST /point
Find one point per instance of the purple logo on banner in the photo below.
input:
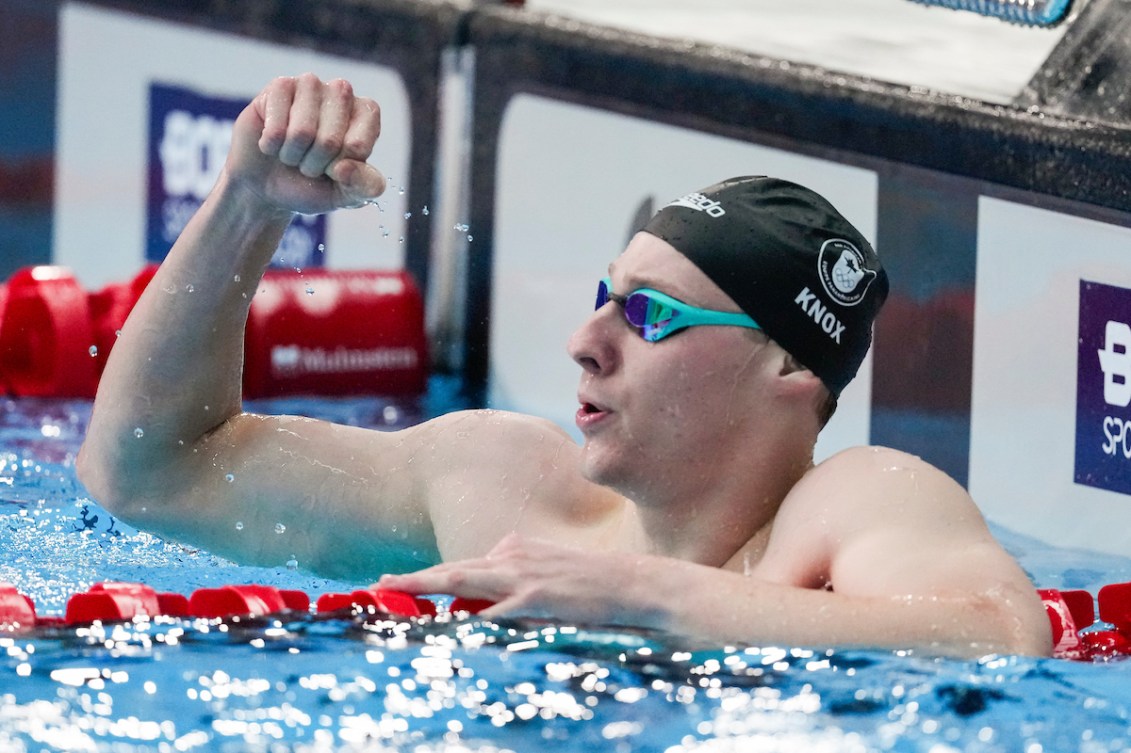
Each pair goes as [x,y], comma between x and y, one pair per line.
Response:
[1103,388]
[189,135]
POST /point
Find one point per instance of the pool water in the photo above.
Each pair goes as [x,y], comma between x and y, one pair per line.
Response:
[340,683]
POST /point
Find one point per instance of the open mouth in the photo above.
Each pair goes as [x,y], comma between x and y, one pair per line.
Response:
[589,414]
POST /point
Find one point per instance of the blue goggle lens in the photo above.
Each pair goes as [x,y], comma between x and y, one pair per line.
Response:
[642,311]
[656,315]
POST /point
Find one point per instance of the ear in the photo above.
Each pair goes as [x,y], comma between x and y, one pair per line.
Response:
[790,365]
[803,386]
[797,375]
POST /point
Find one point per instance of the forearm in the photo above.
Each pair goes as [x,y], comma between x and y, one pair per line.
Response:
[726,607]
[175,372]
[531,577]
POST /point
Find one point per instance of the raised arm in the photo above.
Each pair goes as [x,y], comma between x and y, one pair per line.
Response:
[168,446]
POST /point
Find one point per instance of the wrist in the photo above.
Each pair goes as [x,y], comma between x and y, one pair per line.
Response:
[233,234]
[242,202]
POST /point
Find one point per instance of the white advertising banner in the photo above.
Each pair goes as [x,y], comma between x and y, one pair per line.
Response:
[572,183]
[1050,451]
[145,109]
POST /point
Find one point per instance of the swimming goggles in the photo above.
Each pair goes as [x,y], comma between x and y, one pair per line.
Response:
[657,315]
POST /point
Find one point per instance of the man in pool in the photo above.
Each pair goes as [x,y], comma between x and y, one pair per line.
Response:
[693,504]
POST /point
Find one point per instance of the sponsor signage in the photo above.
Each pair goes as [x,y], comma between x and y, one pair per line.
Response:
[290,361]
[189,133]
[1103,388]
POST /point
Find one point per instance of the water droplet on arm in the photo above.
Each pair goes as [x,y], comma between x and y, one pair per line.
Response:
[280,528]
[139,433]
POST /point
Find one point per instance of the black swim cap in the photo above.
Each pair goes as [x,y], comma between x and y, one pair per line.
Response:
[790,261]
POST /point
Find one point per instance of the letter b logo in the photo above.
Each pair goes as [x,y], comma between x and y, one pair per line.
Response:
[1115,360]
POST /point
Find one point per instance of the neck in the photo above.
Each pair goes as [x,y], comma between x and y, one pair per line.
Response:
[707,516]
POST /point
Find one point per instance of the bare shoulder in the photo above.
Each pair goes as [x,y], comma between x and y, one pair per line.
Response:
[877,523]
[860,484]
[868,499]
[875,463]
[490,473]
[488,442]
[500,425]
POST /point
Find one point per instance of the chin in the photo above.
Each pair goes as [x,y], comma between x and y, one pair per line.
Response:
[599,467]
[609,470]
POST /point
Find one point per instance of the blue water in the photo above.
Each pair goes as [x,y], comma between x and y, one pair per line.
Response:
[312,683]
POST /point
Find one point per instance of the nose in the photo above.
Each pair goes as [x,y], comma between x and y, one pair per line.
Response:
[593,345]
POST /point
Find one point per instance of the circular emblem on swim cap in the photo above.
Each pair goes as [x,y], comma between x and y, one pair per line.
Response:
[840,266]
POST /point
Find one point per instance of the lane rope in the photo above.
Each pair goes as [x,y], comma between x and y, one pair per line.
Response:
[1080,631]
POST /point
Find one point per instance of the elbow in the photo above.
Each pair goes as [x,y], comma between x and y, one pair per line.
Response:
[1036,639]
[1033,635]
[94,475]
[105,482]
[1033,642]
[86,468]
[1020,625]
[991,624]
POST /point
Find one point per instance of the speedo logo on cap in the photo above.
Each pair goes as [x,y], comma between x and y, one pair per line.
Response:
[700,203]
[840,265]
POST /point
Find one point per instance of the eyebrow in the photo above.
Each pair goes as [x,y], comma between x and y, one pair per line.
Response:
[682,295]
[637,282]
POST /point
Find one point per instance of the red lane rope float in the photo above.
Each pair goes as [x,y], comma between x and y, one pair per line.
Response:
[114,602]
[245,600]
[1072,613]
[307,333]
[1075,632]
[1115,609]
[1066,642]
[121,602]
[471,606]
[16,610]
[379,599]
[46,335]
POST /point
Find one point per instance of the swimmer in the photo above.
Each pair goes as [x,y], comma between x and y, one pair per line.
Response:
[720,340]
